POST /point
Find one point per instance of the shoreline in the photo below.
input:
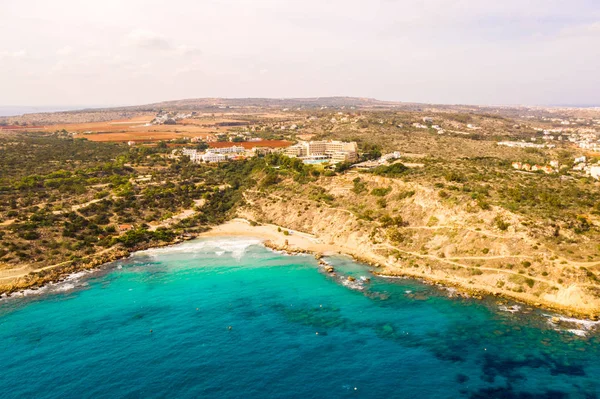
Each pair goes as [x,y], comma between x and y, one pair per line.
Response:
[275,238]
[55,274]
[298,242]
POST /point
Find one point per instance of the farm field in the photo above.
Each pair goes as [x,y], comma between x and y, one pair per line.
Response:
[138,129]
[251,144]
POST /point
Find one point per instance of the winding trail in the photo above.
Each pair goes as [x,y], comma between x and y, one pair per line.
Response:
[462,265]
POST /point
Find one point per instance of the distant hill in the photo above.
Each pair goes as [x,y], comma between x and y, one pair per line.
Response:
[10,110]
[252,105]
[276,103]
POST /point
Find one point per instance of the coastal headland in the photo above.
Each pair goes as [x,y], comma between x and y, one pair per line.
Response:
[292,241]
[498,201]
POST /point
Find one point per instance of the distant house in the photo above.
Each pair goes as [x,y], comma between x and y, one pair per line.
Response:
[130,143]
[547,169]
[125,227]
[428,119]
[213,157]
[227,150]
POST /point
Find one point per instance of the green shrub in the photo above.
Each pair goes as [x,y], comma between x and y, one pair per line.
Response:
[381,192]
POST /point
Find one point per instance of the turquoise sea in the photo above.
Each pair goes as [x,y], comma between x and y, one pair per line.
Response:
[228,318]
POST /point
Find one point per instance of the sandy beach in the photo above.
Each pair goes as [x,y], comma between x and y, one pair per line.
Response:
[293,241]
[296,241]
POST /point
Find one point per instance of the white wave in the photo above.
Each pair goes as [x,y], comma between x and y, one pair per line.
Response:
[393,277]
[583,326]
[235,246]
[77,276]
[69,283]
[29,292]
[354,285]
[587,324]
[64,287]
[510,309]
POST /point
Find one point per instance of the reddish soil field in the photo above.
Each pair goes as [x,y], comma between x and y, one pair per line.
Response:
[17,127]
[139,137]
[251,144]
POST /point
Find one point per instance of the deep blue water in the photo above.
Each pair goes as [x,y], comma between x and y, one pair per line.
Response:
[227,318]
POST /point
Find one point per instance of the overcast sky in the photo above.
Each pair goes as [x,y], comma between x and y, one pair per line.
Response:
[120,52]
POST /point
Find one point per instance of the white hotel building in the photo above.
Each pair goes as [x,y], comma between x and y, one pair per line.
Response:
[227,150]
[336,151]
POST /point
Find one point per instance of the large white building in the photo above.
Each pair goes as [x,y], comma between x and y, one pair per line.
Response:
[336,151]
[199,157]
[212,157]
[227,150]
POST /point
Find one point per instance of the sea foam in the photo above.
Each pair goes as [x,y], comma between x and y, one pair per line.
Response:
[235,246]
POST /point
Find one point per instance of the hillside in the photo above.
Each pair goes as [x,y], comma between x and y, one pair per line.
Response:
[458,207]
[407,229]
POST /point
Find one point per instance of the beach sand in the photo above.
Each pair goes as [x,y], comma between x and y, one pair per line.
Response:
[294,241]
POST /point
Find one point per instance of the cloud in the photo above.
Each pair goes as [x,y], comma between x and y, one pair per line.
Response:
[148,40]
[67,50]
[186,50]
[470,51]
[13,54]
[582,30]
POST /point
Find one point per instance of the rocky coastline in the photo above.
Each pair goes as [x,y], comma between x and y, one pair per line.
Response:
[39,279]
[459,290]
[292,245]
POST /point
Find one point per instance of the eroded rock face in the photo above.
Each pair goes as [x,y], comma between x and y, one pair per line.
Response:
[438,242]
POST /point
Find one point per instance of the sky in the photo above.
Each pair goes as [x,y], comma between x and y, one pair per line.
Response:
[126,52]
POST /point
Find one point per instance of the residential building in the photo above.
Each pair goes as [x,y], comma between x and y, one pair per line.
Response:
[296,150]
[227,150]
[336,151]
[212,157]
[190,152]
[125,227]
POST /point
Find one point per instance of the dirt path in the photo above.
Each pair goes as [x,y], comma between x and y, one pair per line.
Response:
[187,213]
[451,262]
[75,208]
[18,273]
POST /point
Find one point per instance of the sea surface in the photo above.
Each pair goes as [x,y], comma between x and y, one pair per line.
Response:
[228,318]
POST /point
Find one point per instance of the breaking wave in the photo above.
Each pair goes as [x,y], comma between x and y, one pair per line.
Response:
[510,309]
[561,323]
[236,247]
[69,283]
